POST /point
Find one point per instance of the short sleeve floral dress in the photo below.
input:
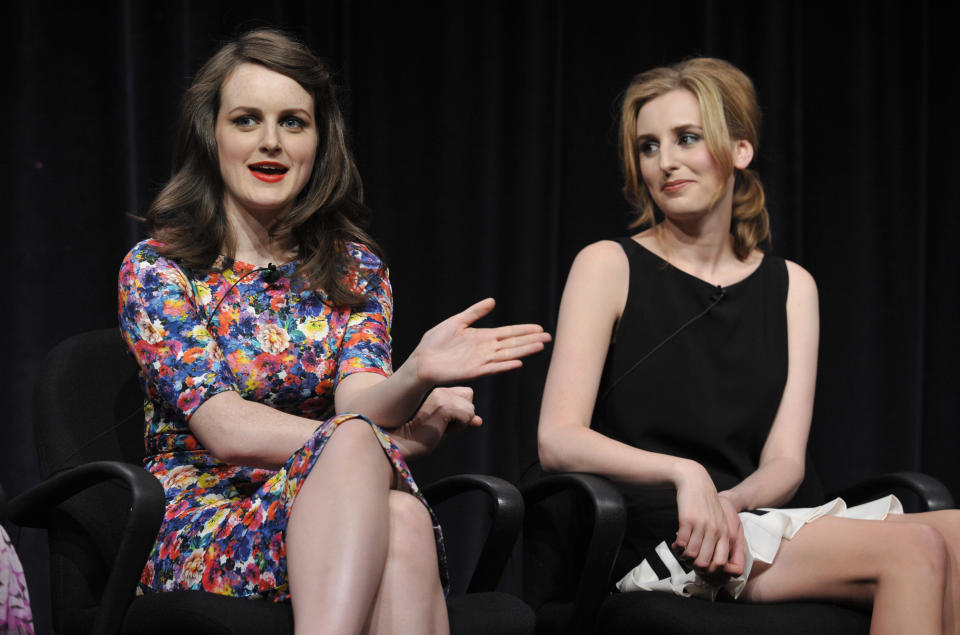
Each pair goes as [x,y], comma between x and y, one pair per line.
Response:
[250,330]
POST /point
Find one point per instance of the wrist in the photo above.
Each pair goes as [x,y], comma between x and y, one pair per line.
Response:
[734,498]
[685,471]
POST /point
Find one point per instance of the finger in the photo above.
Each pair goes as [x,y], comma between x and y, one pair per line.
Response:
[463,392]
[720,554]
[517,352]
[538,337]
[494,367]
[516,330]
[683,537]
[704,555]
[476,422]
[697,536]
[735,563]
[475,312]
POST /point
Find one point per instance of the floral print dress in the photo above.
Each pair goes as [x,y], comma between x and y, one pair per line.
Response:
[246,329]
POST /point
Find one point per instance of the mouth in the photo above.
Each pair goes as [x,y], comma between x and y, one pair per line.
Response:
[675,186]
[268,171]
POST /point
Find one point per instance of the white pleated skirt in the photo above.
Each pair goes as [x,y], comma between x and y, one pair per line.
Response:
[763,534]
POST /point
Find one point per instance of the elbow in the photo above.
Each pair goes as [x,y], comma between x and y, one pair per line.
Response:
[794,471]
[552,454]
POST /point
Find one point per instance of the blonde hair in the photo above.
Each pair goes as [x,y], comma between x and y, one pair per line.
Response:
[729,109]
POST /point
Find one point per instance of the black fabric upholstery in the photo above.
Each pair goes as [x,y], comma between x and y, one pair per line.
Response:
[668,614]
[97,500]
[207,614]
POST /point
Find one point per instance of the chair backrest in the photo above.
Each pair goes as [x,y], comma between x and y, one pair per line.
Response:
[88,406]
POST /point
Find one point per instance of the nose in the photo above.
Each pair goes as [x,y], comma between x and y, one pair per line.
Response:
[668,158]
[270,141]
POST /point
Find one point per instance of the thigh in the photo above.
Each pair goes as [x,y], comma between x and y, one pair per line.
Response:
[832,558]
[947,522]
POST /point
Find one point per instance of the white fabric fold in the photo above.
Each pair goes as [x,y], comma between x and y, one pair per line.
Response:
[763,534]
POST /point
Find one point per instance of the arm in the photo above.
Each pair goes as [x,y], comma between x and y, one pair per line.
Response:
[185,369]
[593,301]
[780,470]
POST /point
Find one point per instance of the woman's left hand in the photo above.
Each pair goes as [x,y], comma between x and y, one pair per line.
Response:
[456,351]
[443,409]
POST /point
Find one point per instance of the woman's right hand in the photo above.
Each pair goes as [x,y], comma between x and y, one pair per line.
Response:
[455,351]
[705,526]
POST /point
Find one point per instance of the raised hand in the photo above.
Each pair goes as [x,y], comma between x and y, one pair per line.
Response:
[456,351]
[442,410]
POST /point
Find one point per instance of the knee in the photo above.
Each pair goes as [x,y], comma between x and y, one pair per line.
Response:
[355,437]
[921,549]
[948,522]
[411,532]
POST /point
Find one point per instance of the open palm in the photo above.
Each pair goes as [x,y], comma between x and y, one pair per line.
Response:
[454,350]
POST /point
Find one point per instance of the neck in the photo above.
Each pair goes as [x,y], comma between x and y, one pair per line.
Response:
[702,240]
[254,243]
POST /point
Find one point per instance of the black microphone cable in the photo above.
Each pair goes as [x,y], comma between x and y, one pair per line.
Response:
[716,297]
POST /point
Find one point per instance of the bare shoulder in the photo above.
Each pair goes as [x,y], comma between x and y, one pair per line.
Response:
[802,283]
[596,288]
[603,261]
[604,254]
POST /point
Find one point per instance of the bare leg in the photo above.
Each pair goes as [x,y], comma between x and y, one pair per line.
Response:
[948,524]
[410,599]
[899,567]
[337,534]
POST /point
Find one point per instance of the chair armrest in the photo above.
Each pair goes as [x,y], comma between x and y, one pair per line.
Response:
[609,525]
[33,507]
[933,494]
[506,514]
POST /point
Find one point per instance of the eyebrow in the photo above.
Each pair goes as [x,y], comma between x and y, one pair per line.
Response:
[287,111]
[684,127]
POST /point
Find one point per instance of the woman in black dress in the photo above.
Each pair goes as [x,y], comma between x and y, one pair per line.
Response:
[699,352]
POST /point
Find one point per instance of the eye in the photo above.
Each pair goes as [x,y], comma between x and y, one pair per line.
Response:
[648,148]
[688,138]
[244,121]
[293,123]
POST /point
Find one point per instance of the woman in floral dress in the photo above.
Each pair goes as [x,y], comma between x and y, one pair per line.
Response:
[260,314]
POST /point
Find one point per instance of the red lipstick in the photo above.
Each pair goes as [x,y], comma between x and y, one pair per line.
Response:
[269,171]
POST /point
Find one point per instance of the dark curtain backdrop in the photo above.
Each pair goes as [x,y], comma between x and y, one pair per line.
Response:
[485,132]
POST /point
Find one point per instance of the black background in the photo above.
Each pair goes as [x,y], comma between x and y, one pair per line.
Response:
[486,136]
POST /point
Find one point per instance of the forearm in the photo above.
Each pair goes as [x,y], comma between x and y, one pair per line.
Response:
[387,401]
[774,483]
[241,432]
[576,448]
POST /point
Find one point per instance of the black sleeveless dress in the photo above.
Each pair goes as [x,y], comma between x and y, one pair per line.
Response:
[708,393]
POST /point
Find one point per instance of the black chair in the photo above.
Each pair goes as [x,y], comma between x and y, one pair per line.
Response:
[102,511]
[572,532]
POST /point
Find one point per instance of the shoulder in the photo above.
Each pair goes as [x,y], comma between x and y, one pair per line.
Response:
[598,280]
[367,271]
[802,300]
[799,279]
[145,259]
[605,257]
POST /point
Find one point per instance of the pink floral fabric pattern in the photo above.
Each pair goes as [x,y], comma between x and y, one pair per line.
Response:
[250,330]
[15,614]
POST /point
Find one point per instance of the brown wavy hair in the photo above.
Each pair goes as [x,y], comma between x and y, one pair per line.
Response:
[188,215]
[728,106]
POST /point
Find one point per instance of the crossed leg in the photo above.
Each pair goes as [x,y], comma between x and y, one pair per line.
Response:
[906,568]
[346,539]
